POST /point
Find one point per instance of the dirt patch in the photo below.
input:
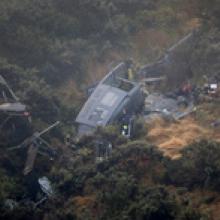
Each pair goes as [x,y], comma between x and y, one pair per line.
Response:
[172,137]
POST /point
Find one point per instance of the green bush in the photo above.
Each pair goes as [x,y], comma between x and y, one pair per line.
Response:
[199,166]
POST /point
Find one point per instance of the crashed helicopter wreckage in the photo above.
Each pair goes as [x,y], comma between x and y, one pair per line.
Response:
[10,103]
[112,102]
[36,145]
[113,95]
[14,117]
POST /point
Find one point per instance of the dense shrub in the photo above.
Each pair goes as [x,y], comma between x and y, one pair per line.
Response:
[198,167]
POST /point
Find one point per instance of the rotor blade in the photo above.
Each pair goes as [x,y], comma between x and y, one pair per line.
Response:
[25,143]
[49,128]
[42,153]
[44,142]
[47,151]
[154,79]
[31,156]
[40,201]
[3,81]
[35,136]
[125,80]
[45,148]
[181,41]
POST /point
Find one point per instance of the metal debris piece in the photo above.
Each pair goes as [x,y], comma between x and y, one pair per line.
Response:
[158,104]
[103,149]
[3,82]
[153,79]
[13,107]
[216,123]
[37,145]
[46,186]
[31,156]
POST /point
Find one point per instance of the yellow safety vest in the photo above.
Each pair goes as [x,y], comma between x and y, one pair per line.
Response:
[130,74]
[125,127]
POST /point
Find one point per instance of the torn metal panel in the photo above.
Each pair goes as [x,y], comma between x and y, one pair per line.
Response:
[160,105]
[153,79]
[46,186]
[2,80]
[13,107]
[31,156]
[36,145]
[180,115]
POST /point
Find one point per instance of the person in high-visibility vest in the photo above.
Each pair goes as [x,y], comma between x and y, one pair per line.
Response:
[124,130]
[130,74]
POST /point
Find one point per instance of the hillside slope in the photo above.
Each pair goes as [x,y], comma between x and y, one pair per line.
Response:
[50,51]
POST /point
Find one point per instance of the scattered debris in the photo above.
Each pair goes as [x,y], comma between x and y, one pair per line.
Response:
[158,104]
[216,123]
[190,109]
[13,108]
[103,149]
[36,145]
[46,186]
[213,88]
[153,79]
[14,116]
[10,103]
[8,90]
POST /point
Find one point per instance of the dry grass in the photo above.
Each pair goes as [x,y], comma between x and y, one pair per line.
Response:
[96,70]
[69,92]
[172,137]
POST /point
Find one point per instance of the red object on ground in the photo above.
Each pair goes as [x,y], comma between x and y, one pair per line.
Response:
[187,88]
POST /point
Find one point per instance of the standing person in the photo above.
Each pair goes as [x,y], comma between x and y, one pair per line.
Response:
[130,69]
[186,89]
[125,124]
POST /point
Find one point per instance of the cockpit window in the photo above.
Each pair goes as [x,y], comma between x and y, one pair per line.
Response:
[98,115]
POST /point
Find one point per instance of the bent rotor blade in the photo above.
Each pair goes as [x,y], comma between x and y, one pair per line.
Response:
[49,128]
[44,142]
[45,148]
[24,144]
[31,156]
[3,81]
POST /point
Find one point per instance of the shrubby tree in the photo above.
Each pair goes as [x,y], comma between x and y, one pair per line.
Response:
[198,167]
